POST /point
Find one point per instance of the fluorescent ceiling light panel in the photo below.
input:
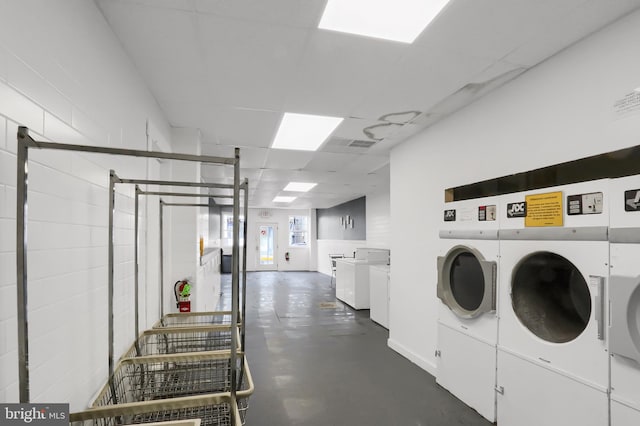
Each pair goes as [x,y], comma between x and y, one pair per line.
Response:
[281,199]
[299,186]
[304,132]
[396,20]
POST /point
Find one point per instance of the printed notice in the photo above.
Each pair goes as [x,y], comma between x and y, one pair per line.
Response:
[544,209]
[629,104]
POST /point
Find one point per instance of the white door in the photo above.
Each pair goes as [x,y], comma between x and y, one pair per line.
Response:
[267,247]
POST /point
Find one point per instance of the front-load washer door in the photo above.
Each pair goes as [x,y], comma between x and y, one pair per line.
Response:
[624,297]
[550,297]
[467,282]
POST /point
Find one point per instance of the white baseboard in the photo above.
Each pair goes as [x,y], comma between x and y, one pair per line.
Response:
[421,362]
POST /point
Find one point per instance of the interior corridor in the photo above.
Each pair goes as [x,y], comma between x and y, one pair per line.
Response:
[316,361]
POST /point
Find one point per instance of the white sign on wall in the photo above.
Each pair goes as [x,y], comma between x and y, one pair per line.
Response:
[627,105]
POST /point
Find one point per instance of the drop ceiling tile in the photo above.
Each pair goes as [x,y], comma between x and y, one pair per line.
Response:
[326,162]
[292,13]
[491,28]
[243,128]
[337,71]
[276,175]
[419,81]
[368,163]
[288,159]
[250,64]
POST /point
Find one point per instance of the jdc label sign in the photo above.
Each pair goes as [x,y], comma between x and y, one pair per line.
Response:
[517,209]
[450,215]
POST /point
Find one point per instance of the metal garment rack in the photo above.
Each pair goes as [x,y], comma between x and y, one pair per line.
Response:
[243,186]
[26,142]
[241,315]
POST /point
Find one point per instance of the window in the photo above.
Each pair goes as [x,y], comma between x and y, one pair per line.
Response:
[298,230]
[227,230]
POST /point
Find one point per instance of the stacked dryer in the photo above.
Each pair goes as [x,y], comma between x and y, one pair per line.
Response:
[624,299]
[553,363]
[467,287]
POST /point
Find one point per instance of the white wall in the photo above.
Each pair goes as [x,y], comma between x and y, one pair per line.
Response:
[64,75]
[378,214]
[300,257]
[379,220]
[561,110]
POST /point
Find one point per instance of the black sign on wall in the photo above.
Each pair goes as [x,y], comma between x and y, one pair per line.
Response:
[517,209]
[450,215]
[632,200]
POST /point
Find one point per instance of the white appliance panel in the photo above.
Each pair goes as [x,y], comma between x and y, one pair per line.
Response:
[352,282]
[379,297]
[532,395]
[624,299]
[458,370]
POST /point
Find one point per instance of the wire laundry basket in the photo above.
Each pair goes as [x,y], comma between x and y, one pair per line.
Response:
[194,319]
[212,409]
[169,379]
[162,341]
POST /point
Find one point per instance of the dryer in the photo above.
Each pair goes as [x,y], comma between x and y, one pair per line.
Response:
[467,288]
[624,301]
[553,366]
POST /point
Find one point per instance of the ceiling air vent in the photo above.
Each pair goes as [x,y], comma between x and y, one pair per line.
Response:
[362,144]
[337,141]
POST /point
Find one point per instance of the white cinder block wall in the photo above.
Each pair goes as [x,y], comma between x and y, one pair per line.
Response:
[64,75]
[559,111]
[378,220]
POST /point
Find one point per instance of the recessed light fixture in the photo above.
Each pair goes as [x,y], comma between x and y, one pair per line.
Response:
[396,20]
[304,132]
[281,199]
[299,186]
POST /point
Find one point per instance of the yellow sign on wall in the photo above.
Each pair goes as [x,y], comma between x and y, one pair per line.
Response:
[544,209]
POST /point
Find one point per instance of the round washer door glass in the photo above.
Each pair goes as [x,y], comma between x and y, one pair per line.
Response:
[551,297]
[467,281]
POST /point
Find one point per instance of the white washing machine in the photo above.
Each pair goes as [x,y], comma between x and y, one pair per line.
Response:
[624,301]
[553,366]
[467,288]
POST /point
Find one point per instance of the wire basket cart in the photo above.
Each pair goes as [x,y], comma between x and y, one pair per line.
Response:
[157,387]
[213,410]
[163,341]
[193,319]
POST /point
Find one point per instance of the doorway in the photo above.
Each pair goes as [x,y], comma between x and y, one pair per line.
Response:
[267,247]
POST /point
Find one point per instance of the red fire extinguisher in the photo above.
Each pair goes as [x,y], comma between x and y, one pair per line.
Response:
[182,290]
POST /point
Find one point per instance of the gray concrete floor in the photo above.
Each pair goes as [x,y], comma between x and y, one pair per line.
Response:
[315,361]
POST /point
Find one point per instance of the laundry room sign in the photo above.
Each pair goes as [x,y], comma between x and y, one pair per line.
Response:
[544,210]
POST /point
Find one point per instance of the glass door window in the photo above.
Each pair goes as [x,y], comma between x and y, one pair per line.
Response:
[267,247]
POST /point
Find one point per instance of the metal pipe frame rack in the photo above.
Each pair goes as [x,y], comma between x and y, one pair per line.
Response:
[26,142]
[138,192]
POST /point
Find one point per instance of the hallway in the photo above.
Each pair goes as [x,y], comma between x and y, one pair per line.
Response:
[316,361]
